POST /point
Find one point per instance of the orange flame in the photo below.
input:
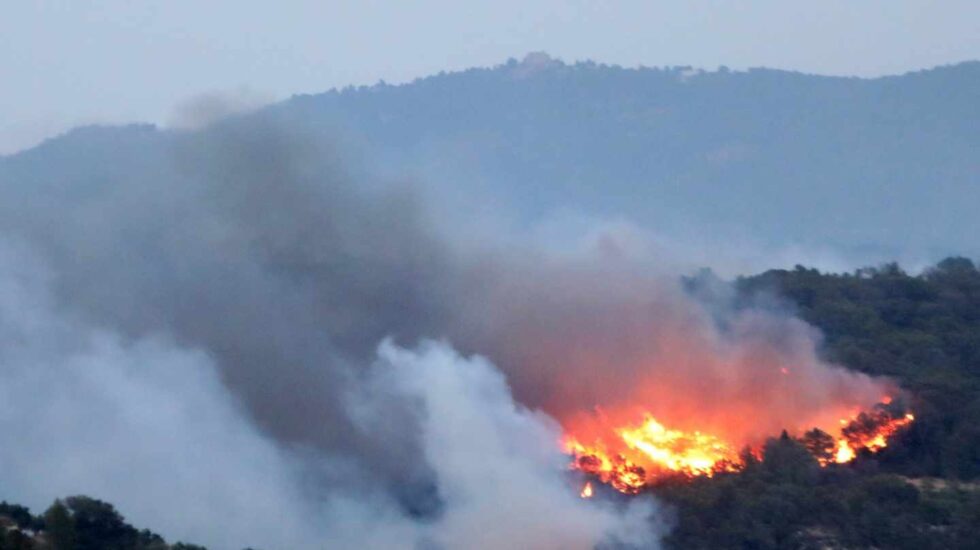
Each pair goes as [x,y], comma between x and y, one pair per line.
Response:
[869,430]
[650,450]
[587,490]
[634,456]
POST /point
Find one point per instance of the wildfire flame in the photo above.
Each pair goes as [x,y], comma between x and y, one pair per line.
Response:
[653,449]
[634,456]
[868,431]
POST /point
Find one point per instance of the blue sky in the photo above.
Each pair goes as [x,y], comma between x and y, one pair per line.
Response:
[68,62]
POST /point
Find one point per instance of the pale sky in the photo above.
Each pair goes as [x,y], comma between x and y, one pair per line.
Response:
[68,62]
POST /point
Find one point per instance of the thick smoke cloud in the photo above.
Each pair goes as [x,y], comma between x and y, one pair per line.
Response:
[605,334]
[497,464]
[144,423]
[148,425]
[251,243]
[215,306]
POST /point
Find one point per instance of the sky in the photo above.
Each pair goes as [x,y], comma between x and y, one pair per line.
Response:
[70,62]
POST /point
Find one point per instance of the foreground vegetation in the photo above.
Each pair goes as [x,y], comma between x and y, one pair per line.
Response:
[76,523]
[789,501]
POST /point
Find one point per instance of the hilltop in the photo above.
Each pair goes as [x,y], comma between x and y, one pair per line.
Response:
[876,167]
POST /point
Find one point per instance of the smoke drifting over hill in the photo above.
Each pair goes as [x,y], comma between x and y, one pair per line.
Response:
[195,336]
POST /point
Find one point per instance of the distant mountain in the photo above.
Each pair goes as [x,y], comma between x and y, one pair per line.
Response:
[888,165]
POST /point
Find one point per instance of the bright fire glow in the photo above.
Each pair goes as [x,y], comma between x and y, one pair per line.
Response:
[651,450]
[842,455]
[633,456]
[869,430]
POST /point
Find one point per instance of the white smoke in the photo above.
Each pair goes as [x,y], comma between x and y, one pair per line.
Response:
[497,464]
[148,426]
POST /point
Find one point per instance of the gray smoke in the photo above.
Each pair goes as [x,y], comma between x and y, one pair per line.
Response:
[497,463]
[147,424]
[212,308]
[254,245]
[207,320]
[143,422]
[606,331]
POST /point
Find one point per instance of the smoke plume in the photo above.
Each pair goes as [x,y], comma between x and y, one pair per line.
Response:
[191,328]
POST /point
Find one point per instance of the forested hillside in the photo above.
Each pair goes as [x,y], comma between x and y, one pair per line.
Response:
[919,492]
[883,168]
[777,156]
[923,331]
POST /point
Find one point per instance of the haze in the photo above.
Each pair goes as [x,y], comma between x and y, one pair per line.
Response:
[68,63]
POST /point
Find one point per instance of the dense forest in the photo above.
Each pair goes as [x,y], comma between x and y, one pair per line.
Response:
[920,492]
[777,157]
[781,156]
[923,331]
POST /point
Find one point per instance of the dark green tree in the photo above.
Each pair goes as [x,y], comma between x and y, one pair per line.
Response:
[59,527]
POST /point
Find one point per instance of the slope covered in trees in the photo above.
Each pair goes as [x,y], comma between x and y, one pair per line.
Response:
[778,156]
[922,330]
[921,491]
[883,167]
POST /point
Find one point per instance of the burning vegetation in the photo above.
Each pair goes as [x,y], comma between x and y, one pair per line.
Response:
[633,456]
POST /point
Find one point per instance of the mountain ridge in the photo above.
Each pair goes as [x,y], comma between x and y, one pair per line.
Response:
[783,157]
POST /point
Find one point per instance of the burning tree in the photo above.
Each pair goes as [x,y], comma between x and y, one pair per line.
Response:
[631,457]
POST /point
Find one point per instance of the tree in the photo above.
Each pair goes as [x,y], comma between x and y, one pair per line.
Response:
[59,527]
[820,444]
[786,460]
[98,526]
[15,539]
